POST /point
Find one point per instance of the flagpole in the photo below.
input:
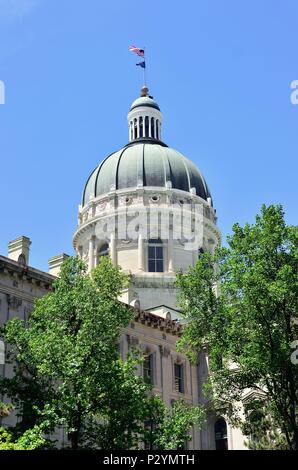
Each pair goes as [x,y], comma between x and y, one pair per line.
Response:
[141,53]
[145,84]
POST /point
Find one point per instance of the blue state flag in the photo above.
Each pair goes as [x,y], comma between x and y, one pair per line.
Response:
[142,64]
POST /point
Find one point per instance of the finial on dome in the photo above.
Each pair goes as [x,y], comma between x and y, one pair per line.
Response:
[144,91]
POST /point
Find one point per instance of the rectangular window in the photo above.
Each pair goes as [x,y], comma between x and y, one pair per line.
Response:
[148,368]
[179,379]
[155,259]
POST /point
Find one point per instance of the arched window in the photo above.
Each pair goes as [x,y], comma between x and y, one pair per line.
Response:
[135,128]
[146,126]
[155,256]
[220,434]
[255,423]
[131,130]
[200,251]
[103,250]
[152,128]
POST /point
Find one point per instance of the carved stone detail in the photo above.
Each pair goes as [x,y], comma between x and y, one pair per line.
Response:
[133,341]
[164,351]
[101,207]
[13,301]
[125,200]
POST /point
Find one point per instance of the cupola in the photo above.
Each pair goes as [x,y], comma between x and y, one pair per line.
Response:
[144,118]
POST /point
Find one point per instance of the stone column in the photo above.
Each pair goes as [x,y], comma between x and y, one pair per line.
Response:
[170,255]
[141,253]
[91,252]
[166,374]
[113,249]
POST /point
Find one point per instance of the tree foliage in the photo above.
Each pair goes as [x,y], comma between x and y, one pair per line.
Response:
[31,439]
[68,372]
[250,326]
[67,367]
[170,428]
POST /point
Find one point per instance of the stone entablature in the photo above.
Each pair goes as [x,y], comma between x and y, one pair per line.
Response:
[125,202]
[21,273]
[146,196]
[155,321]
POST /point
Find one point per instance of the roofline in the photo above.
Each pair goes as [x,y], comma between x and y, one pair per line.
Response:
[163,305]
[145,105]
[146,140]
[155,321]
[33,273]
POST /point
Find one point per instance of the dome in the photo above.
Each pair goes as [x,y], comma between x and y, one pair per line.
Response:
[147,163]
[144,101]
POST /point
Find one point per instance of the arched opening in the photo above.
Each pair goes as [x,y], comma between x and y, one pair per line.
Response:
[157,130]
[103,251]
[131,130]
[152,128]
[146,126]
[220,434]
[141,126]
[135,128]
[256,424]
[201,251]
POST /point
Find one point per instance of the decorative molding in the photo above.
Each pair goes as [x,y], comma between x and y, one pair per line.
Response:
[101,207]
[151,320]
[125,200]
[133,341]
[14,302]
[153,284]
[165,351]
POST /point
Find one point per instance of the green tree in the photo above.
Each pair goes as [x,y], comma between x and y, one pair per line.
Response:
[118,424]
[67,366]
[169,428]
[31,439]
[250,326]
[260,428]
[68,371]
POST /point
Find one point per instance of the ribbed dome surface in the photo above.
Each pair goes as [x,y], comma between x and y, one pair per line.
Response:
[145,163]
[144,101]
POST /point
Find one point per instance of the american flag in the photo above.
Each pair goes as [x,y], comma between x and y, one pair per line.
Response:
[137,50]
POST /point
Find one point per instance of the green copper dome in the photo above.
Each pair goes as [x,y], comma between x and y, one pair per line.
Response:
[144,101]
[148,163]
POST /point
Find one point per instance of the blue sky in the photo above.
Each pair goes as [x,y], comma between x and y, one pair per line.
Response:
[220,71]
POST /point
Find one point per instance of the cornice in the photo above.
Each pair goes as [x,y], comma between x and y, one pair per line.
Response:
[25,273]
